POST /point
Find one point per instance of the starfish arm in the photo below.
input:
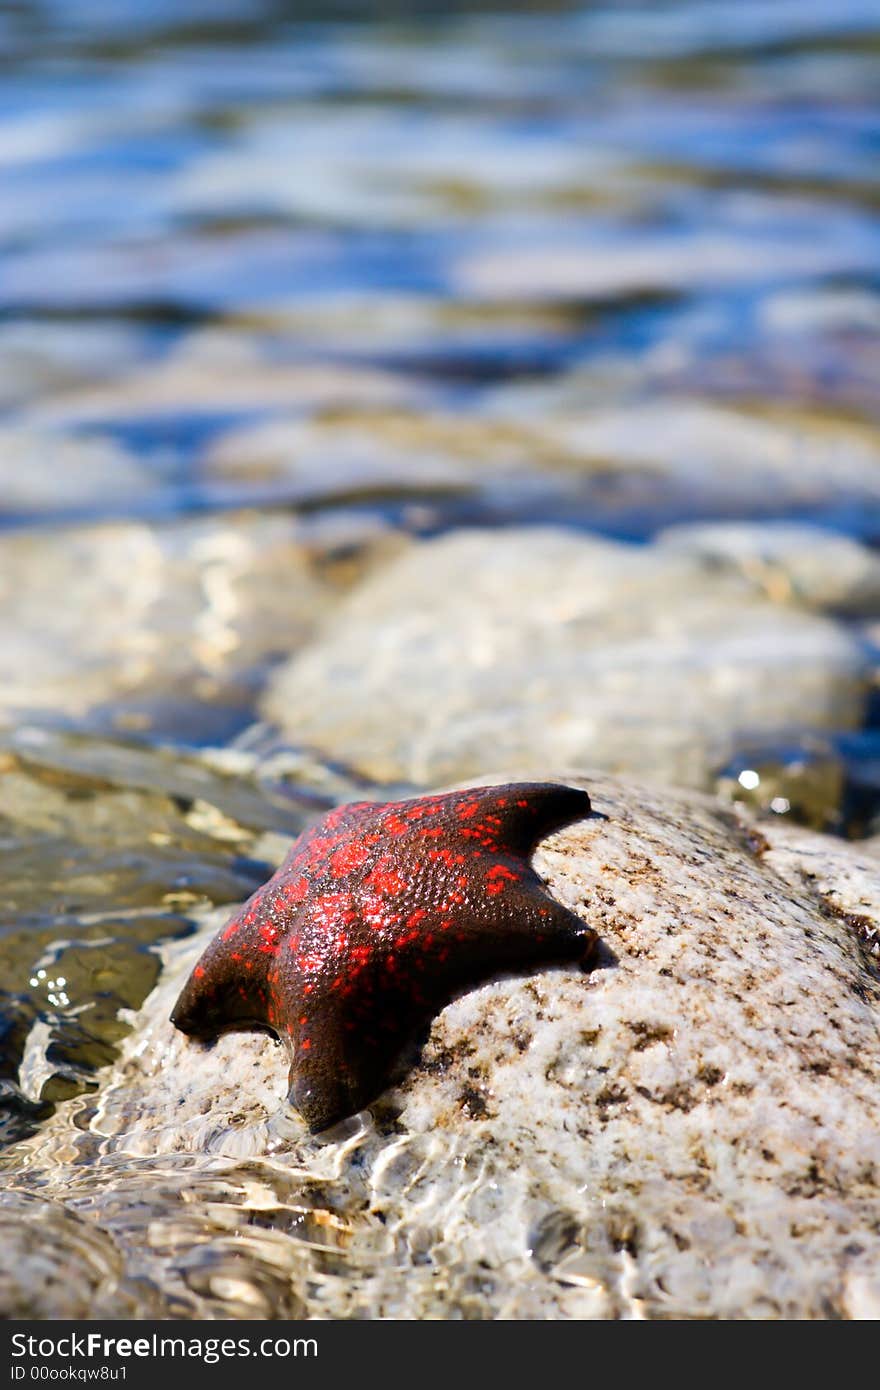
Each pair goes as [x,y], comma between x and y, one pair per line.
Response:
[515,817]
[520,928]
[340,1060]
[228,986]
[525,925]
[317,1082]
[344,1044]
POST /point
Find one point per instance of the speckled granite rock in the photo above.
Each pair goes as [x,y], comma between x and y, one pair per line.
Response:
[551,648]
[691,1130]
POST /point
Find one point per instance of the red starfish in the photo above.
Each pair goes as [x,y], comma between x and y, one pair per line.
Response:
[380,914]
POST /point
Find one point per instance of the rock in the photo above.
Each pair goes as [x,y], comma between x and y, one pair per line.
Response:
[807,780]
[734,460]
[793,563]
[798,314]
[41,471]
[39,358]
[42,1238]
[830,783]
[608,266]
[395,452]
[317,459]
[203,381]
[371,164]
[688,1131]
[548,647]
[181,613]
[413,329]
[845,885]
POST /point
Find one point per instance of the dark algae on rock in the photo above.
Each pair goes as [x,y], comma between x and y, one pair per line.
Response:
[379,915]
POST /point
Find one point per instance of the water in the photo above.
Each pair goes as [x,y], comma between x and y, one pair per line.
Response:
[280,284]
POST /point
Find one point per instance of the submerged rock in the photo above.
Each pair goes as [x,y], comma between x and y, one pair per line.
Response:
[374,452]
[830,783]
[108,848]
[548,647]
[40,358]
[682,456]
[562,268]
[807,780]
[792,562]
[224,376]
[104,851]
[46,471]
[690,1130]
[557,448]
[187,612]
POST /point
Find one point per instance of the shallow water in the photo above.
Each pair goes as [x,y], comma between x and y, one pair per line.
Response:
[280,286]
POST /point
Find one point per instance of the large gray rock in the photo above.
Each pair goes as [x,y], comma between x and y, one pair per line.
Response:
[539,647]
[691,1130]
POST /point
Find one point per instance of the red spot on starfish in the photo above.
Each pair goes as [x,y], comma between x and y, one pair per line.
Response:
[497,877]
[295,892]
[387,881]
[349,858]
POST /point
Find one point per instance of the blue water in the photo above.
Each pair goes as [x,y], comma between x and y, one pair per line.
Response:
[698,167]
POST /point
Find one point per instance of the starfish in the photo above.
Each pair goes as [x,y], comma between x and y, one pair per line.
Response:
[381,913]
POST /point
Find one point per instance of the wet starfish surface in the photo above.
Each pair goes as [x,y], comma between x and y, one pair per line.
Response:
[380,914]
